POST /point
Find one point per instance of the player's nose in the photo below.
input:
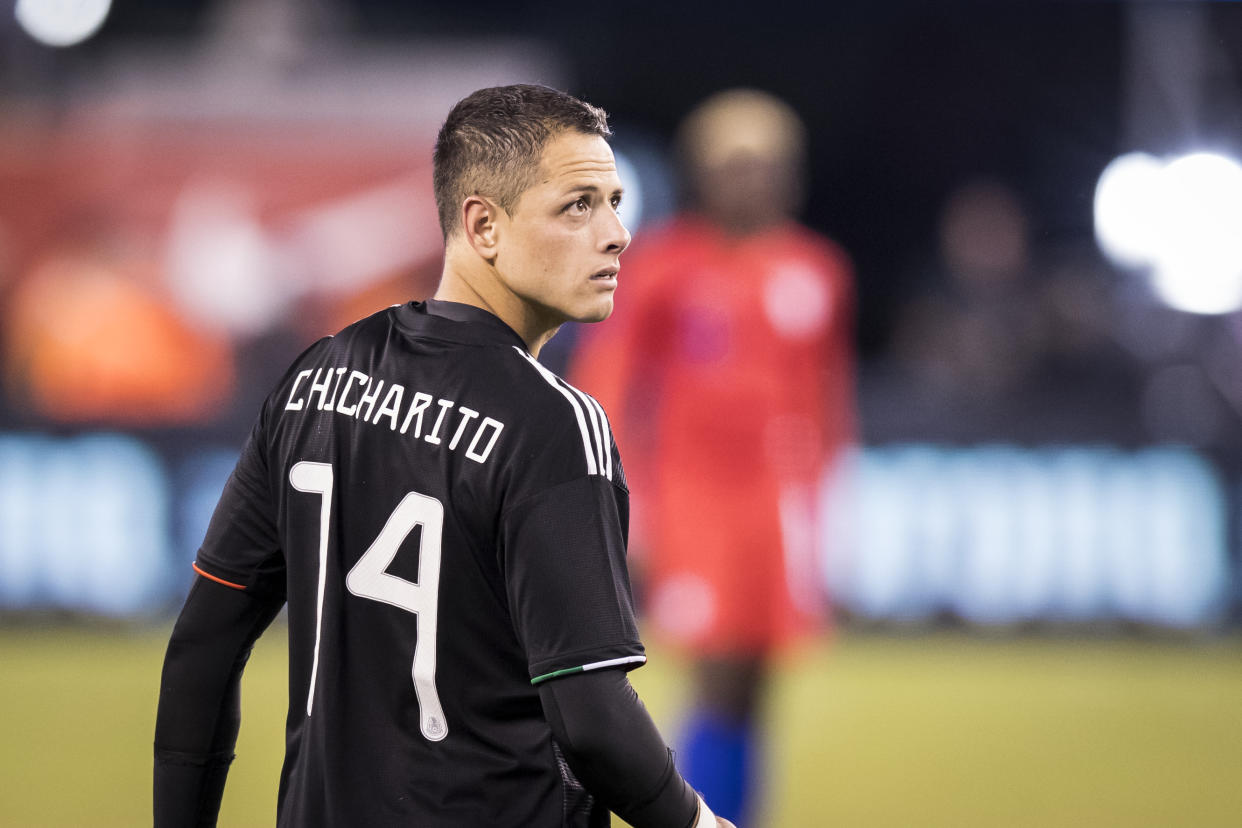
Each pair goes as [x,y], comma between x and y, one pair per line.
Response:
[615,237]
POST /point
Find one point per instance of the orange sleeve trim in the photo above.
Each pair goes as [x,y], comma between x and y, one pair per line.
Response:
[211,577]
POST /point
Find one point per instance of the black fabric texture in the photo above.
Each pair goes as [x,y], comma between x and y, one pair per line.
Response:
[241,545]
[569,588]
[199,709]
[607,737]
[511,558]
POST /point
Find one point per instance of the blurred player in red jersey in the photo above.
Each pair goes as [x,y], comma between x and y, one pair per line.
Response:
[728,372]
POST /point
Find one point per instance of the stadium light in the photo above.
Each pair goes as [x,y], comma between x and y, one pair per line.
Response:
[1179,220]
[1127,211]
[61,22]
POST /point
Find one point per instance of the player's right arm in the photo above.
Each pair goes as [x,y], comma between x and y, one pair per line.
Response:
[237,593]
[200,699]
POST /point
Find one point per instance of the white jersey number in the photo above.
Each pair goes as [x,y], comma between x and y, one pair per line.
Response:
[369,579]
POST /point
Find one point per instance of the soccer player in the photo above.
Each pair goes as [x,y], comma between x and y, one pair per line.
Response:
[447,522]
[728,370]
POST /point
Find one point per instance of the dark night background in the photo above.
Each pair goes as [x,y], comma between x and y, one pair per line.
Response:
[902,99]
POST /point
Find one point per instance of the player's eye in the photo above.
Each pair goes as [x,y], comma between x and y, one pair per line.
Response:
[616,203]
[579,207]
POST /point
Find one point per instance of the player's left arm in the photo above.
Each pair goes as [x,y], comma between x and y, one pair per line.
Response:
[615,750]
[573,611]
[199,711]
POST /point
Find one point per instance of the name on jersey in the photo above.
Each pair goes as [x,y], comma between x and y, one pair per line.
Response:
[426,417]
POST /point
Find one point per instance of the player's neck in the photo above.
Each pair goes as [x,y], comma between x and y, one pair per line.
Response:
[465,281]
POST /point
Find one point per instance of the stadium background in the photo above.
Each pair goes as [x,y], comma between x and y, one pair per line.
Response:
[1037,569]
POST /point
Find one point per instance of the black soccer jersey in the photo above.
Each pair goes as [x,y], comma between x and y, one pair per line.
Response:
[447,519]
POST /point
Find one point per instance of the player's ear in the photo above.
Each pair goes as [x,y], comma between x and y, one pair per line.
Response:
[480,221]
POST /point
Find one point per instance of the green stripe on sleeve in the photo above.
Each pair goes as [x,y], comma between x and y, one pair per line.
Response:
[557,674]
[597,665]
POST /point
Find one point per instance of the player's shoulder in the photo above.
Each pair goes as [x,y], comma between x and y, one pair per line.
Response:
[541,390]
[375,325]
[557,415]
[366,331]
[316,353]
[332,351]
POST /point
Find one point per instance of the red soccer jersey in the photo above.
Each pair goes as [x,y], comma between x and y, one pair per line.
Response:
[727,370]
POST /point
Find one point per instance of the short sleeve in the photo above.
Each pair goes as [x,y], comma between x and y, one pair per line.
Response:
[241,548]
[565,572]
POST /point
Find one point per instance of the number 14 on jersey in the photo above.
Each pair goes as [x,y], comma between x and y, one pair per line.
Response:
[369,579]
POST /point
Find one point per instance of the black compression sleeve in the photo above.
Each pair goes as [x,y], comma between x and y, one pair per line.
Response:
[615,750]
[199,709]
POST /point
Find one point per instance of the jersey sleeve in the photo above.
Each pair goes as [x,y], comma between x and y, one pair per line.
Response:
[241,548]
[568,587]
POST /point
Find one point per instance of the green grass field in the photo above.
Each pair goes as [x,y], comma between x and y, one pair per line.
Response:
[938,730]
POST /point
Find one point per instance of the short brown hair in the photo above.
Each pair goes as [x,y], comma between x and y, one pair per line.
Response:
[493,139]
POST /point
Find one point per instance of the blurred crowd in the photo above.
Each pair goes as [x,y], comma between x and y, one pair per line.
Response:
[148,283]
[1006,337]
[157,281]
[171,241]
[179,219]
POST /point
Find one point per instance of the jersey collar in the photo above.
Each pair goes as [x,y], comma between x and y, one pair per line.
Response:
[459,322]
